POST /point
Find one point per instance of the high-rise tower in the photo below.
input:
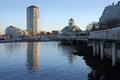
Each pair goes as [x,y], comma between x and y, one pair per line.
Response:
[33,20]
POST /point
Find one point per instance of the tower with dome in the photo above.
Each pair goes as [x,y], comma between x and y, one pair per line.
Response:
[71,27]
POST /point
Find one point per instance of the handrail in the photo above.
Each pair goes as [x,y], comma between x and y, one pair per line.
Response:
[109,34]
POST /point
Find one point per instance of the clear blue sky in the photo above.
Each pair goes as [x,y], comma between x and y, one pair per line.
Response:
[54,14]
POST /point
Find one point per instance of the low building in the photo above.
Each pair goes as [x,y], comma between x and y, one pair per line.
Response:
[15,32]
[1,32]
[71,27]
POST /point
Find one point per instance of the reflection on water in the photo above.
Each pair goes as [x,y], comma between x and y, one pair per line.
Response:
[33,51]
[103,75]
[96,75]
[55,62]
[11,47]
[71,58]
[67,51]
[101,70]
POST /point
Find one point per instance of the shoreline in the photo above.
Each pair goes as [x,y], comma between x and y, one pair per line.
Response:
[12,41]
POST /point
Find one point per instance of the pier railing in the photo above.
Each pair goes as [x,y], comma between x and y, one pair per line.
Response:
[74,36]
[108,34]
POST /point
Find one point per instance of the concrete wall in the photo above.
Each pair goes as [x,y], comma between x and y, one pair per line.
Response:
[108,53]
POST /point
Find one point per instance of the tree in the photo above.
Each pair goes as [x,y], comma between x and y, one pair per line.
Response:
[109,24]
[92,26]
[48,33]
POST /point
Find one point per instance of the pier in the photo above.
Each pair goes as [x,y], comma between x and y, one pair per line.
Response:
[74,38]
[105,43]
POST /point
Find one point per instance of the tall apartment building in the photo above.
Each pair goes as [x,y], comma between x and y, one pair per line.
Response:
[33,20]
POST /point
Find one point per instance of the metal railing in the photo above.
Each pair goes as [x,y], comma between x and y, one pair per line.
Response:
[109,34]
[73,37]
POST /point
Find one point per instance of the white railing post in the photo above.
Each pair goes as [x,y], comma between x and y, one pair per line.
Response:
[114,54]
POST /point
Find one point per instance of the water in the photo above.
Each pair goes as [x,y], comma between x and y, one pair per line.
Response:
[41,61]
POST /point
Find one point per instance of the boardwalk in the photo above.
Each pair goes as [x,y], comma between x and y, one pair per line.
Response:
[104,42]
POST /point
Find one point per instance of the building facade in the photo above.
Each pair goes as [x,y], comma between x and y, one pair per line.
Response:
[15,32]
[110,17]
[33,20]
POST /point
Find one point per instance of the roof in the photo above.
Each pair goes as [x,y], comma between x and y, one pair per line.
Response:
[33,6]
[12,26]
[71,19]
[71,29]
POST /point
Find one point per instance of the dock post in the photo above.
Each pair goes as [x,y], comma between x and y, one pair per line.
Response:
[94,49]
[97,46]
[101,50]
[114,54]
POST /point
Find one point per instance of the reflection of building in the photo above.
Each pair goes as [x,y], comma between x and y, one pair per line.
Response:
[33,20]
[67,51]
[13,47]
[33,56]
[71,58]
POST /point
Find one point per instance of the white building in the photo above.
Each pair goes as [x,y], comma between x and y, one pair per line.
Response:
[71,27]
[14,31]
[33,20]
[0,32]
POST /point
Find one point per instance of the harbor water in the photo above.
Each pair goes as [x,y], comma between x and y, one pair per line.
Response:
[43,61]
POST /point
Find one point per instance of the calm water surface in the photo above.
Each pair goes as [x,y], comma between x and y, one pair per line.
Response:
[41,61]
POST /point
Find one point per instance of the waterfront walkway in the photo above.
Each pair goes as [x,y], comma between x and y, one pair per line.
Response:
[104,42]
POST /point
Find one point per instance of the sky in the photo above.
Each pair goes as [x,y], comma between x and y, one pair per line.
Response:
[54,14]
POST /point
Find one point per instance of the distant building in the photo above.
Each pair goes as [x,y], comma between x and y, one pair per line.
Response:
[110,16]
[33,20]
[0,32]
[71,27]
[14,31]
